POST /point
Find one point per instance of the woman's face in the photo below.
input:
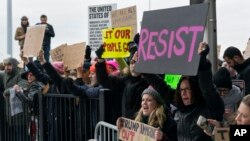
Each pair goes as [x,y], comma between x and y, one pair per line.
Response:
[185,91]
[243,115]
[148,104]
[31,77]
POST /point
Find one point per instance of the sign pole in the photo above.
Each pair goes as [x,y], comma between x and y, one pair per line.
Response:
[212,34]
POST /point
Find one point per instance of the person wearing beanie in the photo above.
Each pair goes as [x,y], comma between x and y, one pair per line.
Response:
[8,79]
[11,74]
[21,31]
[153,113]
[58,66]
[230,94]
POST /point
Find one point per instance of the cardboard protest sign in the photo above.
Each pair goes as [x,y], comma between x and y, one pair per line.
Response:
[221,134]
[246,53]
[33,40]
[74,55]
[169,40]
[126,17]
[57,53]
[99,18]
[136,131]
[115,42]
[241,85]
[172,80]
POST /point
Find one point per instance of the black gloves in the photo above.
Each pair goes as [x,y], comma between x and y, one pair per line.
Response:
[88,52]
[204,63]
[99,51]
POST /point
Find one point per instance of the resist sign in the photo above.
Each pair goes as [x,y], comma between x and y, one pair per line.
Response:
[169,40]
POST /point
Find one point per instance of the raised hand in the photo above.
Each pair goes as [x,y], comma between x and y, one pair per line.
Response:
[99,52]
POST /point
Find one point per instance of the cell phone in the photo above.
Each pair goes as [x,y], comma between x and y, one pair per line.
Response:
[203,123]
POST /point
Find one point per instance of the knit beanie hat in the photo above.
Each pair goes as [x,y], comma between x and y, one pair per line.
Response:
[222,78]
[58,66]
[11,61]
[152,92]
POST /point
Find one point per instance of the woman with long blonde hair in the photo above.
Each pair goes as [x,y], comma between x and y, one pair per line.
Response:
[153,113]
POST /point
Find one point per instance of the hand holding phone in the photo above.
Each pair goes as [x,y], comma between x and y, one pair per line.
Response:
[204,124]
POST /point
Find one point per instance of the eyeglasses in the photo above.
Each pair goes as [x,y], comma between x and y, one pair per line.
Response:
[222,91]
[188,90]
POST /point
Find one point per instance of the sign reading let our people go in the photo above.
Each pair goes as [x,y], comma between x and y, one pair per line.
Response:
[169,40]
[115,42]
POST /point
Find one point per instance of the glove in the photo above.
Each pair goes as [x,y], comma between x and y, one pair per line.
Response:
[88,52]
[204,63]
[99,51]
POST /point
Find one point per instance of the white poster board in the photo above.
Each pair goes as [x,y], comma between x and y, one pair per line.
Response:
[99,18]
[33,40]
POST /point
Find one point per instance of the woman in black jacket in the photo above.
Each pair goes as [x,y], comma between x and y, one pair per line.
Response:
[194,96]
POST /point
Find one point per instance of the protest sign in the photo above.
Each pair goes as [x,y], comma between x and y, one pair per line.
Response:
[169,40]
[172,80]
[221,134]
[115,42]
[99,18]
[136,131]
[246,53]
[33,40]
[57,53]
[74,55]
[126,17]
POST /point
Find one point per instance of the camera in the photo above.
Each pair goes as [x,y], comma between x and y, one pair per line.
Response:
[203,123]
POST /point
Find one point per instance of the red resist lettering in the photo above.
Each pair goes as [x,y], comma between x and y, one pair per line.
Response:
[155,51]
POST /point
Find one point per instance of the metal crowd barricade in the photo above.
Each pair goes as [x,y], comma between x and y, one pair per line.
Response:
[106,132]
[19,125]
[58,117]
[65,117]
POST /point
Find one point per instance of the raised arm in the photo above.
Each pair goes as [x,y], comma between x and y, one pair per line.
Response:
[212,98]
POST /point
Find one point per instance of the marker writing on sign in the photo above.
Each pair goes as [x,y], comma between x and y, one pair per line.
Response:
[149,50]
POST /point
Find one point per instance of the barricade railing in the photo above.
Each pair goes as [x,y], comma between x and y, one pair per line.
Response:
[65,117]
[59,117]
[19,122]
[106,132]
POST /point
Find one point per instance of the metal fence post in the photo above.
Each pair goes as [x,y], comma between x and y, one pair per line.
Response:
[104,102]
[41,118]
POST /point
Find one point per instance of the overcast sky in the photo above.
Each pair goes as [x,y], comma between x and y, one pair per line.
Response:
[70,21]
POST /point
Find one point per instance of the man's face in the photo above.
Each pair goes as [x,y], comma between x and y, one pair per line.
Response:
[43,20]
[8,68]
[231,62]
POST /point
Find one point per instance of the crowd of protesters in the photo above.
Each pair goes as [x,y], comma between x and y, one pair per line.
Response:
[142,97]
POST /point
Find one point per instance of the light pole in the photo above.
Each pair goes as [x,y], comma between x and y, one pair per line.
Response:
[212,34]
[9,27]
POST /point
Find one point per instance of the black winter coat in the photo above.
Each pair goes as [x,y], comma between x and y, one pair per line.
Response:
[244,74]
[127,90]
[187,129]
